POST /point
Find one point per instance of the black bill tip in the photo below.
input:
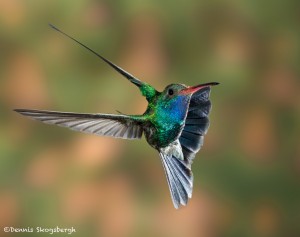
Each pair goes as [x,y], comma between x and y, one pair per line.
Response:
[212,83]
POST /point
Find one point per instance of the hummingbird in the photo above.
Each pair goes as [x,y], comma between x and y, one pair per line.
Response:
[174,124]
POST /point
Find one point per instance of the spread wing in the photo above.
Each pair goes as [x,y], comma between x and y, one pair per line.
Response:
[118,126]
[196,124]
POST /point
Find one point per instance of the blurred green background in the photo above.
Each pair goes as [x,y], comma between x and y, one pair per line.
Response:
[247,175]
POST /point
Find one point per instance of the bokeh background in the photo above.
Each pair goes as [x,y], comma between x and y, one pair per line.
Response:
[247,175]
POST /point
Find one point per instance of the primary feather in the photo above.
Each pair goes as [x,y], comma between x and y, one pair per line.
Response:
[196,124]
[118,126]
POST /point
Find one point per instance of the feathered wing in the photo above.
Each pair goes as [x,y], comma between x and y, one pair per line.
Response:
[196,124]
[179,176]
[118,126]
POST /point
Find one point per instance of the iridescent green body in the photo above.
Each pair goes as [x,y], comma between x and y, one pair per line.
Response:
[165,115]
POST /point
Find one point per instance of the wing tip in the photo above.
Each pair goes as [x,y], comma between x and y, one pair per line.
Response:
[28,112]
[21,111]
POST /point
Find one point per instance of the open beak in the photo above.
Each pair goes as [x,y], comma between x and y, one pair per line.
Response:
[193,89]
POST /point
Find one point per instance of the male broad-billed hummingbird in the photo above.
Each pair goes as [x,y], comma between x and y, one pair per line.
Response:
[174,123]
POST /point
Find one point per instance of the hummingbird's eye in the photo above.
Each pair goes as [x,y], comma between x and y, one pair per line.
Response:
[170,92]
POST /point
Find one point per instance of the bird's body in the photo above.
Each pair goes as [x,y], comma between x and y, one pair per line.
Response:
[165,118]
[174,123]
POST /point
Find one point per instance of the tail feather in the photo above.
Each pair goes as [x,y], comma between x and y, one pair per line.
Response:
[179,177]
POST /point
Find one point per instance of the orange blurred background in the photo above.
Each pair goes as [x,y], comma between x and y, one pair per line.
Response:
[247,175]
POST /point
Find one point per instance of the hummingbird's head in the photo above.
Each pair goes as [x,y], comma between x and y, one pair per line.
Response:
[172,103]
[174,90]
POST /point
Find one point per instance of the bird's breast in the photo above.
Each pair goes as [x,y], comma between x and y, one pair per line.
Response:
[164,129]
[163,135]
[166,121]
